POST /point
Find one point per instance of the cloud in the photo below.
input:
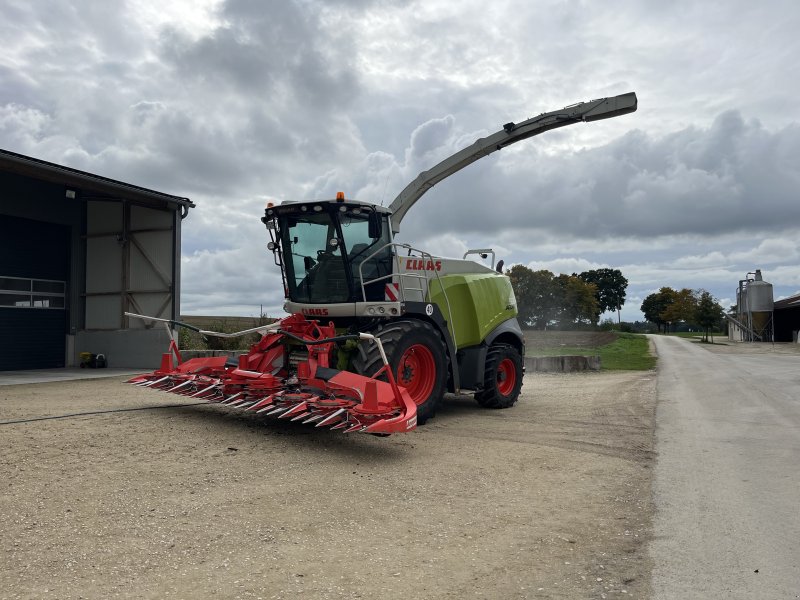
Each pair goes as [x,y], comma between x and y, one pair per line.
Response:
[695,181]
[567,266]
[233,102]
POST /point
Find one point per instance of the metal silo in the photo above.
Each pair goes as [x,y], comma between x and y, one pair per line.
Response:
[755,306]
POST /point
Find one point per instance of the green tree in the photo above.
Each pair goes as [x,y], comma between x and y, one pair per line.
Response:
[611,286]
[537,295]
[544,299]
[682,307]
[656,304]
[708,313]
[577,301]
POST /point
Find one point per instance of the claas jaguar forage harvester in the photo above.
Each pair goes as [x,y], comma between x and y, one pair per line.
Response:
[378,331]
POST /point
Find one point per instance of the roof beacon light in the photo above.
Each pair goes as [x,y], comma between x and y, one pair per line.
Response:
[340,196]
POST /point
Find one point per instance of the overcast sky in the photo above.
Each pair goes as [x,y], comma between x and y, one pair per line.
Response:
[234,103]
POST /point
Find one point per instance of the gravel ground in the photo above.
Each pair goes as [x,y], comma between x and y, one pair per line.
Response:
[549,499]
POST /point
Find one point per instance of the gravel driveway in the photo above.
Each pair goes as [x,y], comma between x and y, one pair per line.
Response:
[549,499]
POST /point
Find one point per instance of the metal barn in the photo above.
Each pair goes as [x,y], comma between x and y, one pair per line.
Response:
[787,319]
[77,251]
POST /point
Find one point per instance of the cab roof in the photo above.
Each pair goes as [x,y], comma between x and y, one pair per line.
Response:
[347,202]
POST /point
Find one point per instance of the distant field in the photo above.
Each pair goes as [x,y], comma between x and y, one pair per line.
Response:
[190,340]
[229,323]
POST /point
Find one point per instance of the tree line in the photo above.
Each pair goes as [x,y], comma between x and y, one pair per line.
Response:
[545,300]
[695,307]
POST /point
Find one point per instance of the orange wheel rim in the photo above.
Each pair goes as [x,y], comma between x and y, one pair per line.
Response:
[506,376]
[417,372]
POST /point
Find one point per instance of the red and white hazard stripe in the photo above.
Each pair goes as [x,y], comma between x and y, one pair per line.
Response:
[392,292]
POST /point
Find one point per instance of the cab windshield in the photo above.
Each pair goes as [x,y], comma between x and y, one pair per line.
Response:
[325,250]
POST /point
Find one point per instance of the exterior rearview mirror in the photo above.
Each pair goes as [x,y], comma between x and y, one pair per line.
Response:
[375,227]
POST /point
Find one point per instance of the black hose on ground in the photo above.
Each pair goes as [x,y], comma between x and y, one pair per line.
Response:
[97,412]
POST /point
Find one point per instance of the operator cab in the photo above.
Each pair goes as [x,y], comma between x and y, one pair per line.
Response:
[327,249]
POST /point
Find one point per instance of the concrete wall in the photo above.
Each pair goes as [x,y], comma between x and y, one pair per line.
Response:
[561,364]
[132,348]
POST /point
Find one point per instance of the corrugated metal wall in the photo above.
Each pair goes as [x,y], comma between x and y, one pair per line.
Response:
[129,264]
[104,265]
[151,260]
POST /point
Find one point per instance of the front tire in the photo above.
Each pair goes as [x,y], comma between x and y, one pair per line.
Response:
[502,380]
[417,357]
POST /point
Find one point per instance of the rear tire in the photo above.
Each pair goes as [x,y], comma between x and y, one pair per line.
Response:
[502,379]
[417,357]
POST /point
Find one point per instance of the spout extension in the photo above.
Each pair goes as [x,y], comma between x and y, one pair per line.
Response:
[593,110]
[607,108]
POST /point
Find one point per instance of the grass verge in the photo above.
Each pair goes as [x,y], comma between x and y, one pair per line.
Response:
[629,352]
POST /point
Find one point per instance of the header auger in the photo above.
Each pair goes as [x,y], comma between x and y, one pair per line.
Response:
[378,331]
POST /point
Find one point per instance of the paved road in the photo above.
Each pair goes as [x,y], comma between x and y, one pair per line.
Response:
[727,481]
[68,374]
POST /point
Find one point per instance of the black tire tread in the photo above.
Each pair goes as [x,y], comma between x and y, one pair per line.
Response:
[367,360]
[490,396]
